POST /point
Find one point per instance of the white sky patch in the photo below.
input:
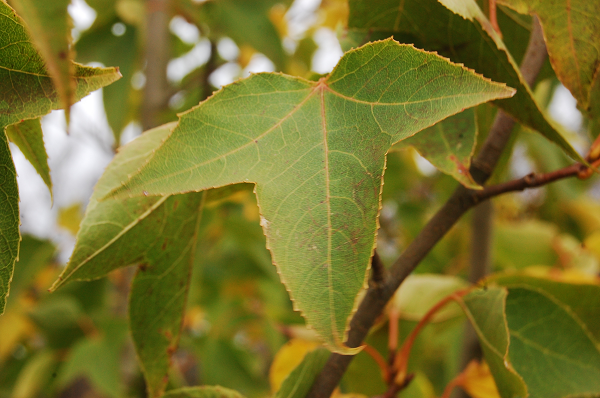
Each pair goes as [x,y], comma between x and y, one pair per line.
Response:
[187,32]
[563,108]
[179,68]
[225,74]
[423,165]
[227,49]
[258,63]
[328,52]
[83,17]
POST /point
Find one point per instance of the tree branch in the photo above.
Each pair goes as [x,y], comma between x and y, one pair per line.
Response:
[462,200]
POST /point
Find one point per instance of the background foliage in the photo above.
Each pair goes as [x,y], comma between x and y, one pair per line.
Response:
[205,305]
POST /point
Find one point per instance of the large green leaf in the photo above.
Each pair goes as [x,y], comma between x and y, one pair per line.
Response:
[159,233]
[50,28]
[554,333]
[203,392]
[26,92]
[9,221]
[316,151]
[486,311]
[460,31]
[449,145]
[28,136]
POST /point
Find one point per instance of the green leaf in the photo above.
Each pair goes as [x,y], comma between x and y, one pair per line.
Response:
[486,312]
[299,382]
[26,88]
[157,233]
[449,145]
[50,28]
[9,222]
[571,29]
[34,255]
[98,358]
[26,92]
[35,374]
[316,151]
[203,392]
[159,293]
[544,331]
[459,31]
[554,332]
[28,136]
[421,292]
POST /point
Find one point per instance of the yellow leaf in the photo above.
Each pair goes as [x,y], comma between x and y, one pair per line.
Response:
[14,327]
[287,358]
[70,217]
[334,13]
[478,381]
[277,18]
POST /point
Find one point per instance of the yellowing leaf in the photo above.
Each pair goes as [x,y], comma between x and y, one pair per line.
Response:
[316,152]
[14,327]
[287,359]
[478,381]
[70,218]
[571,30]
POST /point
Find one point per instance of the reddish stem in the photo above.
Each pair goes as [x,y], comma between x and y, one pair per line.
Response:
[401,361]
[493,17]
[379,359]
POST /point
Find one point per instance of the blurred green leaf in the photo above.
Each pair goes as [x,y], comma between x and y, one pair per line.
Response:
[203,392]
[34,376]
[421,292]
[59,320]
[35,254]
[316,151]
[99,359]
[28,136]
[246,22]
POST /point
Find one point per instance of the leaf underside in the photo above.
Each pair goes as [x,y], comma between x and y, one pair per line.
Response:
[316,151]
[449,145]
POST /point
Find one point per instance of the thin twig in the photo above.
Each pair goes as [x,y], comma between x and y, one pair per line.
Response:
[462,200]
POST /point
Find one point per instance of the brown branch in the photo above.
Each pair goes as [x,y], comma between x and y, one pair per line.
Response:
[156,91]
[462,200]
